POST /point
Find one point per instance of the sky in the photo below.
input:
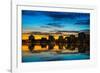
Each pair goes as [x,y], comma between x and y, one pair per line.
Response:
[49,21]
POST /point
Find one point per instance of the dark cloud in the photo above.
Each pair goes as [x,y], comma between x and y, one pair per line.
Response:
[65,15]
[55,25]
[59,16]
[83,22]
[52,25]
[31,12]
[56,15]
[44,26]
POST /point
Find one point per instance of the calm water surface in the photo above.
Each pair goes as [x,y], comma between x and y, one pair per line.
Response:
[44,52]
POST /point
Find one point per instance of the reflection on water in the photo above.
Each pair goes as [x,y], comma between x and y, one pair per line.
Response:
[54,52]
[57,47]
[51,49]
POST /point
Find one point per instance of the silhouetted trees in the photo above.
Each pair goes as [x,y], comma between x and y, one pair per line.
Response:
[43,45]
[31,39]
[82,42]
[68,40]
[31,47]
[81,37]
[71,39]
[43,40]
[51,45]
[60,42]
[71,42]
[70,46]
[51,38]
[60,39]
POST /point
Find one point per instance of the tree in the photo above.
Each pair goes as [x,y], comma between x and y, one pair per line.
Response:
[60,39]
[31,47]
[43,40]
[72,39]
[51,38]
[68,40]
[81,37]
[31,38]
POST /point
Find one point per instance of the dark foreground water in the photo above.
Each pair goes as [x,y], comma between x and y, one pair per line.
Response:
[39,57]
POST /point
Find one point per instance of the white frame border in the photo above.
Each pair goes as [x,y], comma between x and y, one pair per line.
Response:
[17,66]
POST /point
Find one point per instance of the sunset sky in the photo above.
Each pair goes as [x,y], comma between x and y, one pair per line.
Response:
[44,21]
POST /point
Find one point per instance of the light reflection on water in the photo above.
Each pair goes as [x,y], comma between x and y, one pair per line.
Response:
[45,47]
[53,52]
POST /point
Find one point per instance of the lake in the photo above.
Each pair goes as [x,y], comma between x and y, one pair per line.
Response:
[54,52]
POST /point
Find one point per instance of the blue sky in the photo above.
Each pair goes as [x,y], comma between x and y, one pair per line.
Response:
[44,21]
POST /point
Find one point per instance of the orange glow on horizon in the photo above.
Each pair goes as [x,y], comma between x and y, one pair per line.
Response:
[39,48]
[25,36]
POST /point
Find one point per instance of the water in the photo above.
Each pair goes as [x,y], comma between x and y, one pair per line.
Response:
[38,53]
[54,57]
